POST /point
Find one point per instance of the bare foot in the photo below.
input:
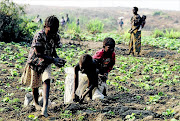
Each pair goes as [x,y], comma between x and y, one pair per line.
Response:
[44,113]
[38,107]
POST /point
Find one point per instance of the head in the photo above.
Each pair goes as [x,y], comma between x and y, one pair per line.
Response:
[143,17]
[62,17]
[135,10]
[66,15]
[108,45]
[51,25]
[85,63]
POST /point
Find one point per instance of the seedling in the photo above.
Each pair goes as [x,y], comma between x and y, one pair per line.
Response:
[168,113]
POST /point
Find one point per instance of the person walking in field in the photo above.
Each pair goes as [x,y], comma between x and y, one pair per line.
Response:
[42,54]
[105,60]
[135,38]
[121,24]
[63,22]
[77,22]
[67,19]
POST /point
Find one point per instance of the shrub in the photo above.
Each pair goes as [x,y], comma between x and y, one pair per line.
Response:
[172,34]
[10,16]
[158,13]
[14,26]
[74,27]
[157,33]
[95,26]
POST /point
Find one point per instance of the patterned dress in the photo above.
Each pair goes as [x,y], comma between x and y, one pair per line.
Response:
[135,38]
[47,45]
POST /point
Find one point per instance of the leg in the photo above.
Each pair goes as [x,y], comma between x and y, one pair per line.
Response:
[131,44]
[46,88]
[104,92]
[134,46]
[35,97]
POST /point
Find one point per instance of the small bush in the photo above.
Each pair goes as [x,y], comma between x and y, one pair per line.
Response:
[95,26]
[158,13]
[73,27]
[10,16]
[14,25]
[172,34]
[157,33]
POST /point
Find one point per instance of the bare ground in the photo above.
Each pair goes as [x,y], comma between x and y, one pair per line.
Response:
[116,106]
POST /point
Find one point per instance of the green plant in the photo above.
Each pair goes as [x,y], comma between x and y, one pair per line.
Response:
[168,112]
[158,13]
[95,26]
[111,112]
[138,97]
[130,117]
[66,114]
[6,99]
[157,33]
[11,16]
[154,99]
[32,117]
[81,118]
[172,34]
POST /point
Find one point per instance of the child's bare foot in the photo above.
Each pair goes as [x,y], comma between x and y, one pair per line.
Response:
[38,107]
[44,112]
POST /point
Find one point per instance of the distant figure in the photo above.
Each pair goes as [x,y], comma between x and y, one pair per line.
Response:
[67,19]
[77,22]
[121,23]
[62,21]
[135,39]
[38,20]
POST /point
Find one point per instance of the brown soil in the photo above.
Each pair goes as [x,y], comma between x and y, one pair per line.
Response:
[116,106]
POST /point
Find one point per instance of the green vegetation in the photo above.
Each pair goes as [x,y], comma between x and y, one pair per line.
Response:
[171,34]
[15,25]
[158,13]
[148,80]
[95,26]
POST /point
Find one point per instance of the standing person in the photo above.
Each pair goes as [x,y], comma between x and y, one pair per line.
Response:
[62,21]
[67,19]
[38,20]
[105,59]
[135,39]
[121,23]
[77,22]
[87,66]
[42,54]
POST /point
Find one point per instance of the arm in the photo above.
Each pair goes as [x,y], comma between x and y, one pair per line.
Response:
[39,53]
[135,21]
[98,58]
[92,83]
[76,77]
[112,62]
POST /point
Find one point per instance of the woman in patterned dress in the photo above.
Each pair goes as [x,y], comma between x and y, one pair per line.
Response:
[135,38]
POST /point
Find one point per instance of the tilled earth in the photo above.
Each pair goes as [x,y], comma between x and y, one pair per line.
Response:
[117,106]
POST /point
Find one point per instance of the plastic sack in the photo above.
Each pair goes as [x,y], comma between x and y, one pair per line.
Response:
[82,86]
[69,85]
